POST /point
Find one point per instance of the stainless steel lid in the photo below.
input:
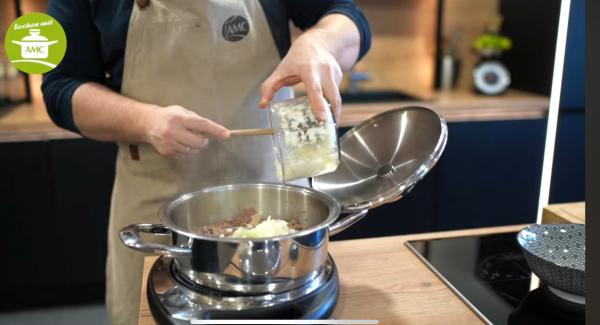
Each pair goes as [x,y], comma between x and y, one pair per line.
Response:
[384,157]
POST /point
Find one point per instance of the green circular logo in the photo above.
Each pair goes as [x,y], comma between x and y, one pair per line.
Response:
[35,43]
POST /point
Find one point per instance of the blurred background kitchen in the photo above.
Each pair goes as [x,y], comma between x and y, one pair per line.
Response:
[443,54]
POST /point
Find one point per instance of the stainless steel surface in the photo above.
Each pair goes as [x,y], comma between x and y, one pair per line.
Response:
[130,236]
[227,282]
[274,264]
[383,157]
[186,304]
[188,213]
[346,222]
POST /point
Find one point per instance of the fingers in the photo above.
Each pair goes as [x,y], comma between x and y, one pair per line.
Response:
[331,92]
[267,90]
[273,84]
[191,140]
[186,144]
[176,131]
[314,91]
[175,150]
[182,149]
[207,127]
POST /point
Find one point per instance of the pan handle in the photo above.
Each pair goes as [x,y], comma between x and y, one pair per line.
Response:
[130,236]
[343,223]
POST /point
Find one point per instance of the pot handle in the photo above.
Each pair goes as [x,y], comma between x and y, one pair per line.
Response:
[343,223]
[130,236]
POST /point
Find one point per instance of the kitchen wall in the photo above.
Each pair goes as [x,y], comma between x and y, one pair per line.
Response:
[403,51]
[404,48]
[7,14]
[35,81]
[34,5]
[12,84]
[404,44]
[463,21]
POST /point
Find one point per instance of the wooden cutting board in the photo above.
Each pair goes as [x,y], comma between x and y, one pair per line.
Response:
[573,212]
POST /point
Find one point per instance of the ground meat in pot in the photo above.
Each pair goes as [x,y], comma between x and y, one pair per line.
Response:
[247,218]
[296,225]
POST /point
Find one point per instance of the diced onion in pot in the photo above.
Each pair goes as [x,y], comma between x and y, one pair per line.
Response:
[266,228]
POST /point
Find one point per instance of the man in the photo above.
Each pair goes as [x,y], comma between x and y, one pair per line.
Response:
[168,79]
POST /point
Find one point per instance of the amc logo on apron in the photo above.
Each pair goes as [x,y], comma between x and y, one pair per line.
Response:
[235,28]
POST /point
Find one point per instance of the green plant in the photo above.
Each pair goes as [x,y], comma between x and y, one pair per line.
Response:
[492,42]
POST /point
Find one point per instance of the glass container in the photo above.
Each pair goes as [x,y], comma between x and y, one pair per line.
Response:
[304,146]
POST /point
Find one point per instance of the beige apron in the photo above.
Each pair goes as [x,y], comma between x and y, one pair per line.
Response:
[209,56]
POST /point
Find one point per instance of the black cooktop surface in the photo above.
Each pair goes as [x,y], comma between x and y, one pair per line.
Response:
[491,275]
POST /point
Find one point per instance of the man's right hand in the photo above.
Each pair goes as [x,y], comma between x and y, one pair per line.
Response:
[104,115]
[174,130]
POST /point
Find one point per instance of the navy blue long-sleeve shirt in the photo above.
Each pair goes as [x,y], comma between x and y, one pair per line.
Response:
[97,32]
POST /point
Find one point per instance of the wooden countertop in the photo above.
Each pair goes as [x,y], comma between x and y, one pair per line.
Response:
[573,212]
[461,106]
[30,122]
[382,279]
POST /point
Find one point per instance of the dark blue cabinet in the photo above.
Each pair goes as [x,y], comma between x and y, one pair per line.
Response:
[29,237]
[490,174]
[55,199]
[568,172]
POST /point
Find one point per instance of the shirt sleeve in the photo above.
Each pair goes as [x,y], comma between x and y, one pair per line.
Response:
[307,13]
[82,62]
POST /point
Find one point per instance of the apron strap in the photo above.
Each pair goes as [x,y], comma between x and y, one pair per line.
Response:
[142,3]
[134,152]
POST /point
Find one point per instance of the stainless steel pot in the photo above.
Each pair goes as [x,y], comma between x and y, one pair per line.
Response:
[274,264]
[381,160]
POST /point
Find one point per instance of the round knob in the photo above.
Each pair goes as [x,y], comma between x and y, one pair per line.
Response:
[385,170]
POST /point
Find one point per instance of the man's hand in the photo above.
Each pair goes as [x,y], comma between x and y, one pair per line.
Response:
[317,59]
[104,115]
[310,63]
[174,130]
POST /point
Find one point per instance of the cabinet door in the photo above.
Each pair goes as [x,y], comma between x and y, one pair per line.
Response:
[414,213]
[490,174]
[568,170]
[30,233]
[83,173]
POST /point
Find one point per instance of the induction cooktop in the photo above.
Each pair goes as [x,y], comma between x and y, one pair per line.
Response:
[490,274]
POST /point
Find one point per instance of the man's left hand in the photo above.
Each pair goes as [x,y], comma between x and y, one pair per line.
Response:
[309,62]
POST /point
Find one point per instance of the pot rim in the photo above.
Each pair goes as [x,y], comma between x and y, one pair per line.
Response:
[167,207]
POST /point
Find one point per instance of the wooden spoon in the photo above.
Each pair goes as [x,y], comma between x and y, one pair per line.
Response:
[252,132]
